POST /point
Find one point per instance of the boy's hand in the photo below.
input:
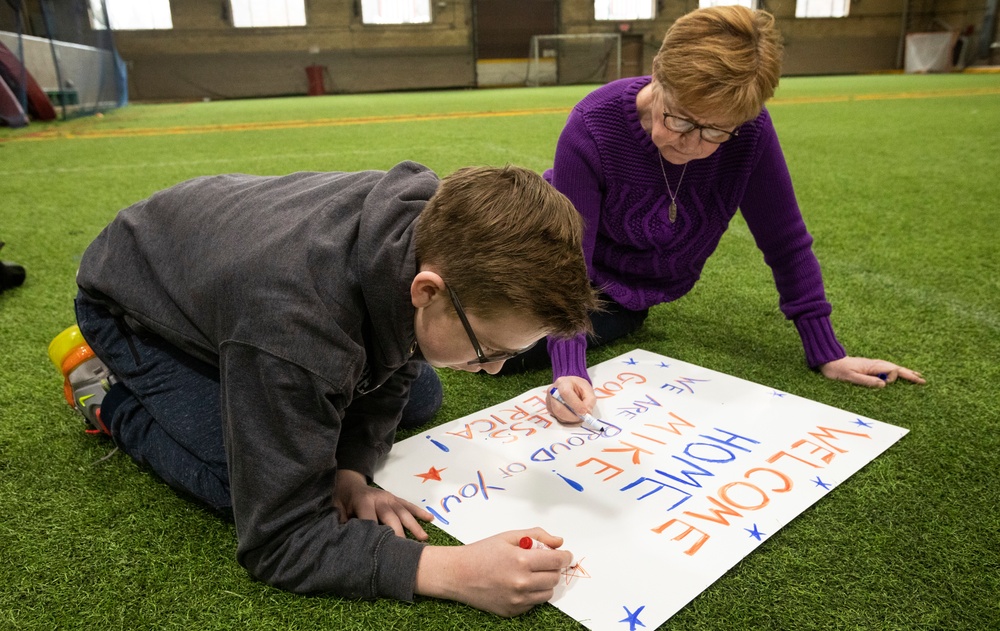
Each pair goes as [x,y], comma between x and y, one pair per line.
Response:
[494,574]
[354,498]
[578,395]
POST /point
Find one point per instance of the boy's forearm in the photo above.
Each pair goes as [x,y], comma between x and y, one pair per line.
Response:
[438,572]
[493,574]
[369,426]
[281,481]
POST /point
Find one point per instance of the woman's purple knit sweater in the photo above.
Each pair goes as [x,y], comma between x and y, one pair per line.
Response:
[608,166]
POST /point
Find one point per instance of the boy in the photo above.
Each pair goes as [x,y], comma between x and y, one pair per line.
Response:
[259,337]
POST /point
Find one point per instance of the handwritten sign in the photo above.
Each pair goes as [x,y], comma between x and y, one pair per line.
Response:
[698,469]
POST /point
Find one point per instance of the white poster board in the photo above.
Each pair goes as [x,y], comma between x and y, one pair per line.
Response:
[706,467]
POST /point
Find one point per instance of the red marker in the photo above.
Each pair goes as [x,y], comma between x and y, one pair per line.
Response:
[532,544]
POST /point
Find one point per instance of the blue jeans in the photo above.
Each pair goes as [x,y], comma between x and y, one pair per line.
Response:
[165,413]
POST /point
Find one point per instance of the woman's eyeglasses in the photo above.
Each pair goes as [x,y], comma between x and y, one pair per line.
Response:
[681,125]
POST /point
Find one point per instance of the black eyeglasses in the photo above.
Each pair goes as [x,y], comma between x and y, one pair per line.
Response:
[481,357]
[713,135]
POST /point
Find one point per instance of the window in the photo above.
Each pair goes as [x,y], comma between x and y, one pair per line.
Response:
[259,13]
[623,9]
[750,4]
[822,8]
[395,11]
[127,15]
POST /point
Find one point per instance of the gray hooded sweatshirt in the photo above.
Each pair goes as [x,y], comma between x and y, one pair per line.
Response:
[297,288]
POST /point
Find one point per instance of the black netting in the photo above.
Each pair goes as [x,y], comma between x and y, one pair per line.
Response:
[55,63]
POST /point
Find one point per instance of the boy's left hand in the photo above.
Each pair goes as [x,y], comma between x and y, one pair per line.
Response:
[874,373]
[354,498]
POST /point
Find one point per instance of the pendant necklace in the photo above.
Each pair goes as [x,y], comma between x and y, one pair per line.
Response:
[673,198]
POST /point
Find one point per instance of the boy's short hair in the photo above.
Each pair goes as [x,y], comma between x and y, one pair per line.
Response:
[507,241]
[724,60]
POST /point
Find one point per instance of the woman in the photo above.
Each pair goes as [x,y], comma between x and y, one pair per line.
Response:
[657,166]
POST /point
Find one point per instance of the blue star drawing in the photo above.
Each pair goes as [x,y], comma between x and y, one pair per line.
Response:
[819,482]
[775,393]
[862,423]
[631,362]
[632,617]
[756,534]
[664,365]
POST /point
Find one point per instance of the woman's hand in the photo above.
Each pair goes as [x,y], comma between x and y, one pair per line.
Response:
[354,498]
[578,395]
[874,373]
[494,574]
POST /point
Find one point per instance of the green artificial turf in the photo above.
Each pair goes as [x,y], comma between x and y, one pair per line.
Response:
[898,180]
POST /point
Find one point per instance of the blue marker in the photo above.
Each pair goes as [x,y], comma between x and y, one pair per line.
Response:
[591,422]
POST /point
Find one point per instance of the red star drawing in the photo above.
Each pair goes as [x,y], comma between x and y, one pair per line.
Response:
[575,571]
[432,474]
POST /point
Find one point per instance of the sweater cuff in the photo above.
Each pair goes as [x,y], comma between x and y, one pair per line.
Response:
[569,357]
[396,560]
[819,341]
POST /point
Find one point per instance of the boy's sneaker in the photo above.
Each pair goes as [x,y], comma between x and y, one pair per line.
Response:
[88,379]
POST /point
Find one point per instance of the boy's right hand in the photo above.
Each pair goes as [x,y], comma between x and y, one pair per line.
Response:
[494,574]
[578,394]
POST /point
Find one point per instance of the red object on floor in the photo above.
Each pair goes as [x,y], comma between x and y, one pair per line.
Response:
[11,70]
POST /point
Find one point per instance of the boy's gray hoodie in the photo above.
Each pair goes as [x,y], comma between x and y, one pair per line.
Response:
[297,288]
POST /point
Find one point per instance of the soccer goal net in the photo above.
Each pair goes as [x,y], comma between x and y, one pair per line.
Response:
[574,59]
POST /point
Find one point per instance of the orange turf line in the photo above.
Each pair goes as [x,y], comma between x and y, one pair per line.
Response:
[884,96]
[55,134]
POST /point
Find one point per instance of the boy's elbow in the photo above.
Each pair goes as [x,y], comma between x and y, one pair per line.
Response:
[303,571]
[272,568]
